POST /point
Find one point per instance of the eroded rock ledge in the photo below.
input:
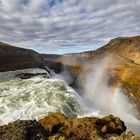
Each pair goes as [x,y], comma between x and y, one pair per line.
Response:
[57,126]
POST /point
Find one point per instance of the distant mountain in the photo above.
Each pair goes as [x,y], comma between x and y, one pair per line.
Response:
[13,58]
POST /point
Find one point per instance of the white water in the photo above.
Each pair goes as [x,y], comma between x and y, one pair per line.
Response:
[11,75]
[33,98]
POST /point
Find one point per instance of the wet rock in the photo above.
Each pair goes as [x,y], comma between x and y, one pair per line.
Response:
[23,74]
[23,130]
[30,75]
[110,125]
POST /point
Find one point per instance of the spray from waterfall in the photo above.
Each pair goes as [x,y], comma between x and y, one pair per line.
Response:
[106,99]
[100,98]
[63,75]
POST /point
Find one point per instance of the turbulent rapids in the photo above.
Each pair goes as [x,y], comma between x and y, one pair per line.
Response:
[31,94]
[34,97]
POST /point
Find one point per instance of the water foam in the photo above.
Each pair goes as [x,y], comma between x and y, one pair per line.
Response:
[33,98]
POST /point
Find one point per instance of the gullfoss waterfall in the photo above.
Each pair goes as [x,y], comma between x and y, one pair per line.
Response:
[33,97]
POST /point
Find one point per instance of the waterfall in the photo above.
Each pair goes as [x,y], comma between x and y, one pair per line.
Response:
[35,97]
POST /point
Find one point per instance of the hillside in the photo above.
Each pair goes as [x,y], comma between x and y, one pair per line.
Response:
[13,58]
[128,47]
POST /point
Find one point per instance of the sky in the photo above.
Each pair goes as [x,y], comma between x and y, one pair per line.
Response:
[62,26]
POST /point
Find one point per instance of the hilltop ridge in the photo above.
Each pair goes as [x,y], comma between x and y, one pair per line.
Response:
[13,58]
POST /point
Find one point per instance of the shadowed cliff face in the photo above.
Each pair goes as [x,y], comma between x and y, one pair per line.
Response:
[13,58]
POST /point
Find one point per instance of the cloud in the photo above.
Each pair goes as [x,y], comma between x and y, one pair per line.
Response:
[47,23]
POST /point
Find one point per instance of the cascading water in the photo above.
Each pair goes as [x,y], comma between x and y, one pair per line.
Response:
[33,98]
[63,75]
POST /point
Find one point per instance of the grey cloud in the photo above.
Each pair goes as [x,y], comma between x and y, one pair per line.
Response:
[32,23]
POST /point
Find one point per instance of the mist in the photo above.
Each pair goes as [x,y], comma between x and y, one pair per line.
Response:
[98,97]
[105,99]
[63,75]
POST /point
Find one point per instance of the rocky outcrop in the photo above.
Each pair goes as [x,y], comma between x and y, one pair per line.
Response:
[83,128]
[14,58]
[57,126]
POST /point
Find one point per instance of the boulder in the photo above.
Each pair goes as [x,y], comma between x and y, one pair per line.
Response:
[87,128]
